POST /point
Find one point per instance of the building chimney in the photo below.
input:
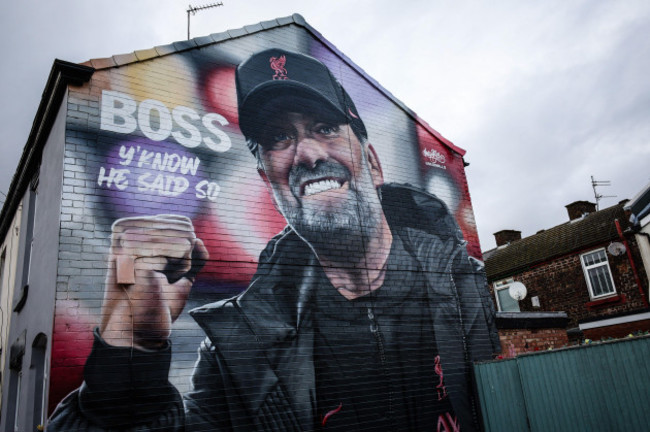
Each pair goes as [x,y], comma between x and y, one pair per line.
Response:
[579,208]
[507,236]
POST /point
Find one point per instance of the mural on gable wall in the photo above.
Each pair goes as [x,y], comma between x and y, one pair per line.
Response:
[343,228]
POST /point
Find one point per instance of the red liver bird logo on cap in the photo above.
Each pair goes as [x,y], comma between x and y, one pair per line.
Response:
[277,64]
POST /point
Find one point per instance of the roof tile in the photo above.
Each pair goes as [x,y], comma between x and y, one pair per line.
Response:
[218,37]
[165,49]
[184,45]
[269,24]
[237,32]
[203,40]
[253,28]
[285,20]
[122,59]
[101,63]
[298,19]
[146,54]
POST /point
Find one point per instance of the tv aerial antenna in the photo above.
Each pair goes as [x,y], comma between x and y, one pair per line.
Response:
[598,183]
[193,10]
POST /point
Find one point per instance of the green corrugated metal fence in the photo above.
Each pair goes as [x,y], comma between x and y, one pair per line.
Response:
[602,387]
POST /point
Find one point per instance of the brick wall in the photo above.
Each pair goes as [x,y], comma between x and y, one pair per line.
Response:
[560,285]
[518,341]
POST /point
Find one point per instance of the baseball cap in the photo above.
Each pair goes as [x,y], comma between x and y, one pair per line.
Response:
[273,73]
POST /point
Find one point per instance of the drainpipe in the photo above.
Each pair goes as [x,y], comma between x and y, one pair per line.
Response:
[629,257]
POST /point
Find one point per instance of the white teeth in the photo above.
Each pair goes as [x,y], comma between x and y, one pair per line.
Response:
[321,186]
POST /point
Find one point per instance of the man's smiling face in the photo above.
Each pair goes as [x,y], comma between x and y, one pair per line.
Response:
[323,178]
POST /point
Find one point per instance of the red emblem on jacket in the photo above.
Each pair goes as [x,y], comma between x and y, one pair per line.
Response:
[277,64]
[442,390]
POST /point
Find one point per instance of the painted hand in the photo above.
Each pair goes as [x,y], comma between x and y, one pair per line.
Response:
[151,268]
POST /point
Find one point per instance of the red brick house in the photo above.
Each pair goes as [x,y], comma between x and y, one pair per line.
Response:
[590,267]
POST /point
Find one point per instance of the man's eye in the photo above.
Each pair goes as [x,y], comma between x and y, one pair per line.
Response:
[277,140]
[325,129]
[282,137]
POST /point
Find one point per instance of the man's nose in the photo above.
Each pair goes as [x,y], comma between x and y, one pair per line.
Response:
[309,151]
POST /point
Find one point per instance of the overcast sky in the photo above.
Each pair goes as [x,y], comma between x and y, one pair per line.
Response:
[542,95]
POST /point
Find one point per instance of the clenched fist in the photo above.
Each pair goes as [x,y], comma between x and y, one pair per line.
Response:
[152,264]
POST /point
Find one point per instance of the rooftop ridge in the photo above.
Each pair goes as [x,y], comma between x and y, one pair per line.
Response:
[118,60]
[554,242]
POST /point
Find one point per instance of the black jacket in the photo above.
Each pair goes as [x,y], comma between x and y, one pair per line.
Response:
[255,370]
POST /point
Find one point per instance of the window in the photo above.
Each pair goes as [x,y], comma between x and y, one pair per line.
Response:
[505,303]
[597,273]
[38,370]
[13,409]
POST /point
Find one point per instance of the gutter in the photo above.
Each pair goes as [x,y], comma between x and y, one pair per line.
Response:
[62,74]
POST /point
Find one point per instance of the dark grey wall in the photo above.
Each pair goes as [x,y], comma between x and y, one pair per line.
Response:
[35,318]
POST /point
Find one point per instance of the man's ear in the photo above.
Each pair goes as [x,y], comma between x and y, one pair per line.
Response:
[375,166]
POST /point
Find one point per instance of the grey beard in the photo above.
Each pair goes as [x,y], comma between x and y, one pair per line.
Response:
[345,231]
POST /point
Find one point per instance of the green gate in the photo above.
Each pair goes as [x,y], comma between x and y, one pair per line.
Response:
[601,387]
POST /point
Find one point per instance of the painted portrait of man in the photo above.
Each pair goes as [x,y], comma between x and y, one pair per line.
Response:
[365,312]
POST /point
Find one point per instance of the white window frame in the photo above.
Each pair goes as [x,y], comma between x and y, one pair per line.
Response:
[586,268]
[503,284]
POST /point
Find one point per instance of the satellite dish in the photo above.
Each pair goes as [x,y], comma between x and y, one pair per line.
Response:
[517,291]
[616,248]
